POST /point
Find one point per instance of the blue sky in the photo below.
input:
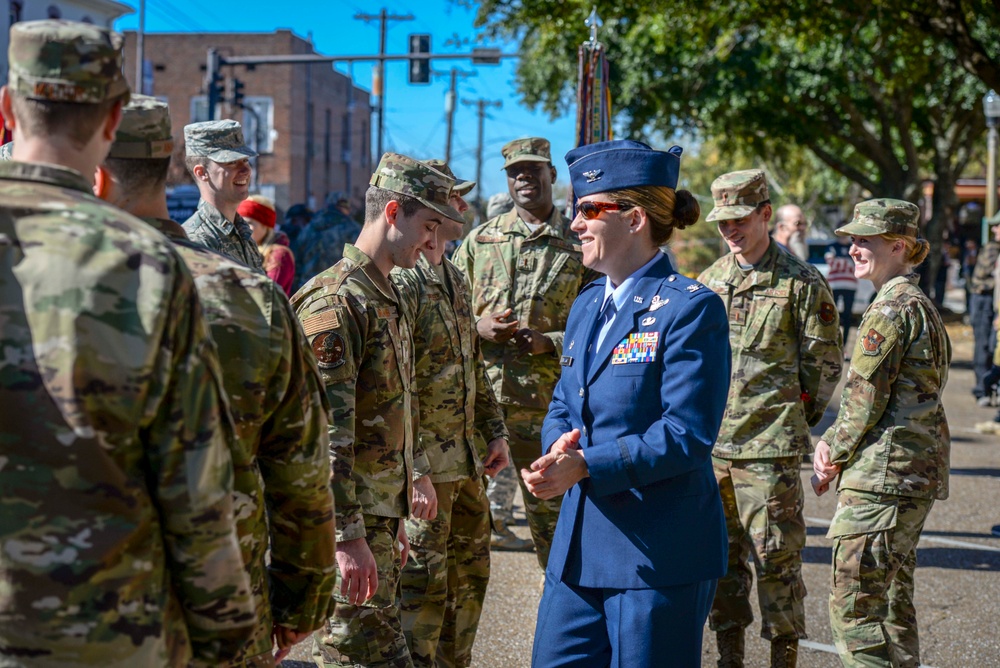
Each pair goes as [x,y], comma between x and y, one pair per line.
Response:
[415,117]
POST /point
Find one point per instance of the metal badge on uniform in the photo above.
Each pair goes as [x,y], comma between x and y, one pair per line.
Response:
[647,321]
[694,287]
[571,344]
[329,350]
[637,299]
[566,360]
[658,303]
[638,347]
[594,175]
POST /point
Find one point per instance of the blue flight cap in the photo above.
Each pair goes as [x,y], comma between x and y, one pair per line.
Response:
[621,163]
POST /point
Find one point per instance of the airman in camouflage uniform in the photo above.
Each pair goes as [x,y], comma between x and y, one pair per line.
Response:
[525,269]
[982,311]
[352,317]
[321,244]
[118,538]
[275,395]
[890,444]
[444,581]
[219,161]
[784,331]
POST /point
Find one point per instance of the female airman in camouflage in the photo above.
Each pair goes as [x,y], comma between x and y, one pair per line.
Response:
[890,443]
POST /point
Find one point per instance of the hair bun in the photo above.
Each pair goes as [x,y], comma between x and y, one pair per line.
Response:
[687,211]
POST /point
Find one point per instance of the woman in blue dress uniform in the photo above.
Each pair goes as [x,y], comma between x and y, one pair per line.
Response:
[641,537]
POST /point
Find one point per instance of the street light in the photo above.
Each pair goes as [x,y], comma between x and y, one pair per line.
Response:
[991,109]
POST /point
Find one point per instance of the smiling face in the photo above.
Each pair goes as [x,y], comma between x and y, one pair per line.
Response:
[229,181]
[412,235]
[876,258]
[606,241]
[530,186]
[747,237]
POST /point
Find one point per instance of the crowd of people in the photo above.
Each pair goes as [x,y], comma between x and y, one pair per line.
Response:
[225,437]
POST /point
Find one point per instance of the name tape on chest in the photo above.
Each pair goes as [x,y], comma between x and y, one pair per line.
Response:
[638,347]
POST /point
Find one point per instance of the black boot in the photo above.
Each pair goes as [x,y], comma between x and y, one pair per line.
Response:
[730,644]
[784,652]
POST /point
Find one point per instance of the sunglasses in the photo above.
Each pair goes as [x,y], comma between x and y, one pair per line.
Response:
[591,210]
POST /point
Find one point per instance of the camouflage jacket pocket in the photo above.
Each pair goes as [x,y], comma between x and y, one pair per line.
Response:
[862,518]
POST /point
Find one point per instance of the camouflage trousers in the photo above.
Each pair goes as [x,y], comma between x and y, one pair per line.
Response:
[525,427]
[501,491]
[762,500]
[368,634]
[444,581]
[871,597]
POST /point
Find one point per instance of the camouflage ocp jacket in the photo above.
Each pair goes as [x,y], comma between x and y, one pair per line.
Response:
[536,274]
[455,394]
[891,435]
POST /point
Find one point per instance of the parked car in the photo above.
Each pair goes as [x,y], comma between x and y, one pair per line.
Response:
[817,256]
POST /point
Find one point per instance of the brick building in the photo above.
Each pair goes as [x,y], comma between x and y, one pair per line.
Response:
[311,138]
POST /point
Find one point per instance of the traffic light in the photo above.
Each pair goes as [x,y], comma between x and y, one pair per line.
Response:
[213,82]
[237,98]
[420,68]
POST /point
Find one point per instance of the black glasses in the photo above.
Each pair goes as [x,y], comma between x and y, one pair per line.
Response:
[591,210]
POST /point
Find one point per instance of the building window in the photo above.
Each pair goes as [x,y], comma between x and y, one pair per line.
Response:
[256,109]
[55,12]
[16,9]
[258,123]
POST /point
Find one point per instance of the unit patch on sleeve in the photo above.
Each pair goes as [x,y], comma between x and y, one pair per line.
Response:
[638,347]
[827,313]
[871,343]
[329,350]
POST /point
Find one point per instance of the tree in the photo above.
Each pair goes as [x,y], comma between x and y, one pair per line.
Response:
[874,99]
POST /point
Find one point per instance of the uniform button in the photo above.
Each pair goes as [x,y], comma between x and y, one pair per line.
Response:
[581,391]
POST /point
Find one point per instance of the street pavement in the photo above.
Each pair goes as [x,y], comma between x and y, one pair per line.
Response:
[957,579]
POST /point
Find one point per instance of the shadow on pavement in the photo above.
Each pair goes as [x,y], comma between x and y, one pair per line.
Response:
[927,557]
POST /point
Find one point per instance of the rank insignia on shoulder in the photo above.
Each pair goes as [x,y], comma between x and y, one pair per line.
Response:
[827,313]
[329,350]
[566,360]
[637,299]
[871,343]
[593,175]
[646,322]
[658,303]
[694,287]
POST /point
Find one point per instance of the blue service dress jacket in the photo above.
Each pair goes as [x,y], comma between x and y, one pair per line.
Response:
[648,404]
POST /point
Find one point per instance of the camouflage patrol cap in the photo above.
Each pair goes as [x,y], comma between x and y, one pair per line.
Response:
[219,141]
[406,176]
[529,149]
[461,188]
[65,61]
[144,131]
[7,151]
[883,216]
[737,194]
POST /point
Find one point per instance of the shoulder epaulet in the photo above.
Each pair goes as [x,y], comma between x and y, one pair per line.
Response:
[684,285]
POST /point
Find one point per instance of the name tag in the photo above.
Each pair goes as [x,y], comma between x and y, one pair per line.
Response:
[639,347]
[566,360]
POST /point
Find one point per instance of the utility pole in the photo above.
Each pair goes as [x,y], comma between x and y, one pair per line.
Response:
[382,17]
[449,108]
[140,48]
[482,106]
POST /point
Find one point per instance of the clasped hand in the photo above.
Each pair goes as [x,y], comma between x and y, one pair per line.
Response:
[824,471]
[558,470]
